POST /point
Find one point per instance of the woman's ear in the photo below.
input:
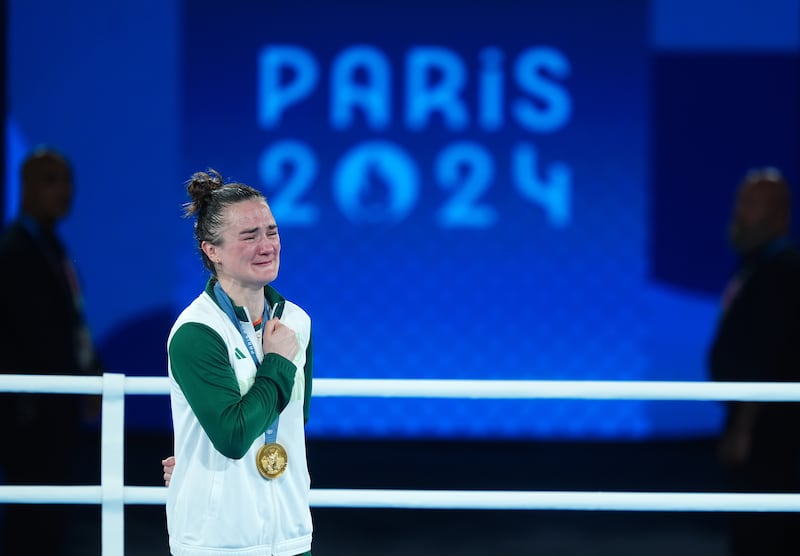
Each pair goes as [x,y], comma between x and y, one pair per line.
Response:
[211,251]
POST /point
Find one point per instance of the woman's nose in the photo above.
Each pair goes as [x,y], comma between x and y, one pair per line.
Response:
[269,244]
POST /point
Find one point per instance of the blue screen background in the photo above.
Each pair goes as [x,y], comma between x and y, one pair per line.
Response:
[555,221]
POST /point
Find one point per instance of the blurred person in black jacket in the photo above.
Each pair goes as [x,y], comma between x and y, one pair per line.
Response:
[44,332]
[758,339]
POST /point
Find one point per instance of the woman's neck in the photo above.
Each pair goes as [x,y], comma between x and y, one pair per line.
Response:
[252,299]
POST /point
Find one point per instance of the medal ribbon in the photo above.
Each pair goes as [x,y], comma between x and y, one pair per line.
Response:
[271,434]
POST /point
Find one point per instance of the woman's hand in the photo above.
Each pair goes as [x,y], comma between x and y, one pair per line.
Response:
[169,466]
[279,338]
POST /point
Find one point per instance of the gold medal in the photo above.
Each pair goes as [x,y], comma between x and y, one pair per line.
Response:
[271,460]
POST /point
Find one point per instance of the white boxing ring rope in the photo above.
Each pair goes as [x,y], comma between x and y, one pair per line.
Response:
[113,495]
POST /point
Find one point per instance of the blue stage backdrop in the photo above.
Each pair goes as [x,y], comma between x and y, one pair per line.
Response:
[470,190]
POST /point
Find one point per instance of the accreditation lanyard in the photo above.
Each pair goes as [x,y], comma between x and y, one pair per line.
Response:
[271,434]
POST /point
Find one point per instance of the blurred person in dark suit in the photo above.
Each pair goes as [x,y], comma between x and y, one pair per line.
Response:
[758,339]
[45,333]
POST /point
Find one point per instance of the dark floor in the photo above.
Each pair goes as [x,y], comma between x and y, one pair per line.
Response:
[652,466]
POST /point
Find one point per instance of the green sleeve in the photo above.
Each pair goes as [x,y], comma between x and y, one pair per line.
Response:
[199,362]
[309,375]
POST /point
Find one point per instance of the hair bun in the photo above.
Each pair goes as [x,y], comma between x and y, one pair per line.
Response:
[200,188]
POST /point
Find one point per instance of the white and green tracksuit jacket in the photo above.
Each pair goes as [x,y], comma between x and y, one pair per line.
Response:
[217,502]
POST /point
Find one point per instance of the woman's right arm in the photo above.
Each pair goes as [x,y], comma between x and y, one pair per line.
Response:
[199,362]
